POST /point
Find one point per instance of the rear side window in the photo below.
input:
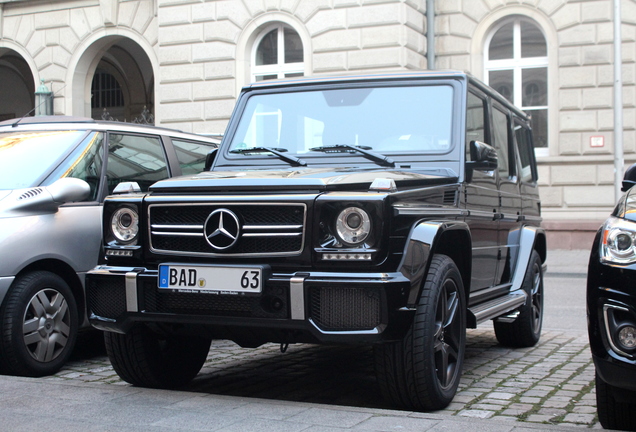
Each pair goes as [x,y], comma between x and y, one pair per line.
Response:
[135,158]
[191,155]
[523,137]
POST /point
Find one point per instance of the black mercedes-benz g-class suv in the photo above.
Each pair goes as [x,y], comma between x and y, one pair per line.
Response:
[393,210]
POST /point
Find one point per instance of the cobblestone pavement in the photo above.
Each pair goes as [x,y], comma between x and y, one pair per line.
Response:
[551,383]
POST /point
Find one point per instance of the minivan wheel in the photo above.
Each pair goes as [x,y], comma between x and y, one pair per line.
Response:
[39,325]
[525,331]
[422,371]
[146,359]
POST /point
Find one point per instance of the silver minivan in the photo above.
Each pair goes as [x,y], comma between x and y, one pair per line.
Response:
[54,175]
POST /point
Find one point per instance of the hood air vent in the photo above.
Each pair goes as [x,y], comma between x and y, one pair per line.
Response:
[30,193]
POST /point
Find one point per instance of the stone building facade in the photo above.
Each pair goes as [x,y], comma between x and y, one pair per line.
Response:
[182,63]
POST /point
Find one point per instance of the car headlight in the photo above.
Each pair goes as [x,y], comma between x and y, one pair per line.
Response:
[125,224]
[353,225]
[619,241]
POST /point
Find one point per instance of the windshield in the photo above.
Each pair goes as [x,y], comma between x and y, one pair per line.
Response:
[27,157]
[409,120]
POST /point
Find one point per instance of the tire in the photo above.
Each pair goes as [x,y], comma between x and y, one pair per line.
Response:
[143,358]
[39,325]
[525,331]
[614,410]
[422,371]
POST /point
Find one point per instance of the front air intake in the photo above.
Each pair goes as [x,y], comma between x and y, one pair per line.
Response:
[345,309]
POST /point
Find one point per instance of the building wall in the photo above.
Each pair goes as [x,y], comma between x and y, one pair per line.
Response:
[198,55]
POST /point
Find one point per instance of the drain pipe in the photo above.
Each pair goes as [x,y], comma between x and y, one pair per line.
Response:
[430,34]
[618,104]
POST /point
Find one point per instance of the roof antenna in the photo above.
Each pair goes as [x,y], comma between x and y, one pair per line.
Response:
[42,101]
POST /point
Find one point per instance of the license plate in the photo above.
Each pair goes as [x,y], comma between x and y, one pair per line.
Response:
[211,278]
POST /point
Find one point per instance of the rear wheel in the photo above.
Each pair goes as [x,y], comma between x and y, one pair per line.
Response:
[615,406]
[525,331]
[422,371]
[39,325]
[146,359]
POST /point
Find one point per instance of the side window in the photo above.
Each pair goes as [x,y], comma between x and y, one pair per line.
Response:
[500,131]
[135,158]
[191,155]
[85,163]
[475,124]
[524,145]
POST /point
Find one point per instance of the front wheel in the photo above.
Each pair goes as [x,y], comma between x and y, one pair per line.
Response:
[525,331]
[39,325]
[144,358]
[615,406]
[422,371]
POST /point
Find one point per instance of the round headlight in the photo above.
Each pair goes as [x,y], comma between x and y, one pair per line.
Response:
[125,224]
[353,225]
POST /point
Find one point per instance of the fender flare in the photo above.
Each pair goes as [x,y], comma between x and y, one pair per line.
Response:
[423,242]
[530,238]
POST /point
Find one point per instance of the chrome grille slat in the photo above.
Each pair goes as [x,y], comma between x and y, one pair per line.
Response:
[272,229]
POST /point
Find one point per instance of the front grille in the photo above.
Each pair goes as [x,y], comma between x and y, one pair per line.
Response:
[106,296]
[273,229]
[273,303]
[345,309]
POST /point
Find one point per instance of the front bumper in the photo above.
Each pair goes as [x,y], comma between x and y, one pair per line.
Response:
[315,307]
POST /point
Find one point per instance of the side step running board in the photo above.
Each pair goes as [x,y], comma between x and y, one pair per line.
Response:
[496,307]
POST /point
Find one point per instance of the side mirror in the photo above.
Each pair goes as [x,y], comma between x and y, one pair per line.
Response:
[483,156]
[69,189]
[629,179]
[209,159]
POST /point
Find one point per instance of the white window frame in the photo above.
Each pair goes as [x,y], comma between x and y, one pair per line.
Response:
[517,64]
[280,69]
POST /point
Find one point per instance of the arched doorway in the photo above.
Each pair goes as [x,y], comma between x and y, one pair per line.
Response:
[18,85]
[114,80]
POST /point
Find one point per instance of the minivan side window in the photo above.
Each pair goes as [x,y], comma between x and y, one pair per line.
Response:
[135,158]
[525,147]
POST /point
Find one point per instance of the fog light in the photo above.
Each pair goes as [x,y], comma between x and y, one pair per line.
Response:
[627,337]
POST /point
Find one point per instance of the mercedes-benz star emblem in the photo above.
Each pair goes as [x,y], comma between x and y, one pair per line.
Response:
[221,229]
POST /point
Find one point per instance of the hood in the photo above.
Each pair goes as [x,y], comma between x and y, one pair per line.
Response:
[317,179]
[42,199]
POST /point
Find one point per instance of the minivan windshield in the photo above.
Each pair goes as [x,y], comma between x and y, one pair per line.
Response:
[28,157]
[382,120]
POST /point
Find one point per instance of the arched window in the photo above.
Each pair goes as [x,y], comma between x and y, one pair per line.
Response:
[516,66]
[278,53]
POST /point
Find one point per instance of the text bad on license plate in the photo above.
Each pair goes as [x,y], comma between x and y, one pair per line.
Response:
[210,278]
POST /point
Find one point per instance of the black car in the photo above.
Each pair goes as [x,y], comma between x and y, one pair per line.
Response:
[611,311]
[393,211]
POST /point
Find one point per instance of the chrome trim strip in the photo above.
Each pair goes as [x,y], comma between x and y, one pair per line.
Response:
[188,227]
[271,234]
[271,227]
[346,332]
[131,292]
[176,234]
[297,297]
[607,330]
[428,211]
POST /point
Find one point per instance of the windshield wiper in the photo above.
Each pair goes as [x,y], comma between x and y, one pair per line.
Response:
[378,158]
[293,160]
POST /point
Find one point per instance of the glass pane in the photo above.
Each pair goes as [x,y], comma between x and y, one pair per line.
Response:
[539,127]
[292,75]
[385,119]
[474,121]
[136,159]
[191,155]
[265,77]
[523,146]
[85,163]
[26,158]
[500,129]
[502,81]
[293,47]
[532,41]
[534,84]
[501,46]
[267,52]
